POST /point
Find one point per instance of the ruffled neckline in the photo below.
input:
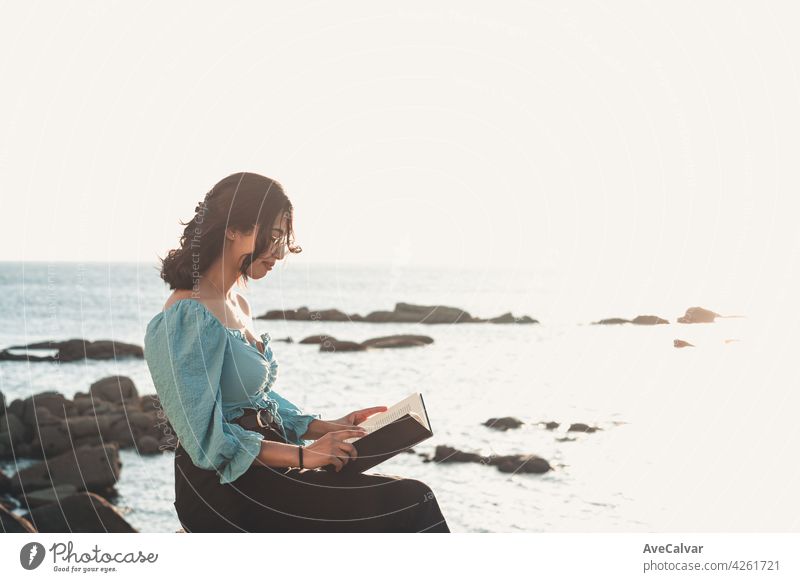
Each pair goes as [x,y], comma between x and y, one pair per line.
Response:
[265,337]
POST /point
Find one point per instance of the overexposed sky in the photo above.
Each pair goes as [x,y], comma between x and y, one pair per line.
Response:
[641,141]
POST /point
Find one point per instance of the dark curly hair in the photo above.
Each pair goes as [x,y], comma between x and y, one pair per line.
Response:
[239,202]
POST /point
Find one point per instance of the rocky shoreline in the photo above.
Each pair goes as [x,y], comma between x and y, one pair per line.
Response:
[402,313]
[73,350]
[77,441]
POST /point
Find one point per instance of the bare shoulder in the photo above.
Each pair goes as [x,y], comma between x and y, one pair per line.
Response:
[176,296]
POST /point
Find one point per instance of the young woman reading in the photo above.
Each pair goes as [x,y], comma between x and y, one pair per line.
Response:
[243,460]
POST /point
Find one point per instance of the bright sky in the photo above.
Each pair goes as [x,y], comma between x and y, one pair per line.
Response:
[635,141]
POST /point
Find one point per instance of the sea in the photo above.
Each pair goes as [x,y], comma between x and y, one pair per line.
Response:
[697,439]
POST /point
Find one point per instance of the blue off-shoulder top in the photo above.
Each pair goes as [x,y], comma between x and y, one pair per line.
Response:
[205,374]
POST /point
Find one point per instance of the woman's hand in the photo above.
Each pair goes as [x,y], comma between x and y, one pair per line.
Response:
[332,450]
[357,417]
[319,428]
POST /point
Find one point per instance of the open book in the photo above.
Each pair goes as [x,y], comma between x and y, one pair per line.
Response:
[402,426]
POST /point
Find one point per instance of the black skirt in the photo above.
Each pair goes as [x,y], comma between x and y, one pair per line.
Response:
[271,499]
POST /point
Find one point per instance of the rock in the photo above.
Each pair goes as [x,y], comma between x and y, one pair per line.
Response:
[505,423]
[5,484]
[51,494]
[91,468]
[341,346]
[679,343]
[17,408]
[2,404]
[10,523]
[430,313]
[13,431]
[520,464]
[114,389]
[611,321]
[504,463]
[330,315]
[150,403]
[317,339]
[380,317]
[397,341]
[403,313]
[302,314]
[698,315]
[83,426]
[141,421]
[75,349]
[446,454]
[55,403]
[580,427]
[46,418]
[51,441]
[24,450]
[509,318]
[648,320]
[551,425]
[121,432]
[81,513]
[148,445]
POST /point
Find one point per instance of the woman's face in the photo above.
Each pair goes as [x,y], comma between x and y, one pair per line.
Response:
[263,264]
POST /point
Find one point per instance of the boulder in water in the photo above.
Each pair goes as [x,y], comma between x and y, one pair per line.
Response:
[648,320]
[397,341]
[446,454]
[520,464]
[341,346]
[51,494]
[80,513]
[92,468]
[317,339]
[114,389]
[698,315]
[581,427]
[505,423]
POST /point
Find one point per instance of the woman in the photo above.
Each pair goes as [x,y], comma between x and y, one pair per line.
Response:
[243,460]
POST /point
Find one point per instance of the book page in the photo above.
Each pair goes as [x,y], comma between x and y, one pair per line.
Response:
[410,405]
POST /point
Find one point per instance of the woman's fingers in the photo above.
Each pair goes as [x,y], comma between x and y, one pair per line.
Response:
[373,410]
[349,450]
[364,413]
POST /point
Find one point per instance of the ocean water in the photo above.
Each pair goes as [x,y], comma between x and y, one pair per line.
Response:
[694,439]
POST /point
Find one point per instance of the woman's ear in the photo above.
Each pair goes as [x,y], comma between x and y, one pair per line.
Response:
[230,234]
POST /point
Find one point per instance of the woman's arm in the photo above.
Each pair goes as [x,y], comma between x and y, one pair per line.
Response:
[330,449]
[319,428]
[274,454]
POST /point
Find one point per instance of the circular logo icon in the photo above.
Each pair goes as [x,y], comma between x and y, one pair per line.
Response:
[31,555]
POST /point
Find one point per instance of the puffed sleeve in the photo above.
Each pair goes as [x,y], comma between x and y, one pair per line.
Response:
[294,419]
[184,349]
